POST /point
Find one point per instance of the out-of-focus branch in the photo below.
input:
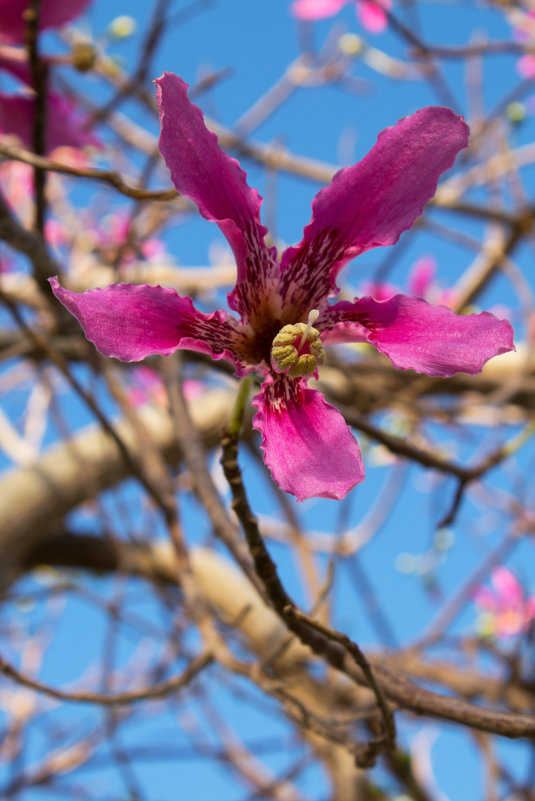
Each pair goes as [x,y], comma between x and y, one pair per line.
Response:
[402,447]
[39,73]
[23,289]
[35,499]
[239,606]
[43,165]
[397,688]
[195,458]
[154,691]
[22,240]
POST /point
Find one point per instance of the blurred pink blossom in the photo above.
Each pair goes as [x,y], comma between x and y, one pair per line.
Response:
[64,121]
[526,65]
[523,22]
[372,17]
[149,388]
[55,233]
[52,14]
[420,282]
[509,610]
[108,235]
[378,290]
[16,179]
[113,233]
[421,276]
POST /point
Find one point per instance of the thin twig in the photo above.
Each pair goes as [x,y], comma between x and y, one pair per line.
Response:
[297,622]
[151,692]
[353,649]
[39,73]
[43,164]
[397,688]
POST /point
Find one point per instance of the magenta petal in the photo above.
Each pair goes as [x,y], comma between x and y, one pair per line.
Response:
[52,14]
[316,9]
[307,444]
[507,586]
[485,598]
[371,203]
[131,322]
[421,276]
[530,608]
[372,17]
[203,172]
[64,121]
[66,125]
[418,336]
[15,61]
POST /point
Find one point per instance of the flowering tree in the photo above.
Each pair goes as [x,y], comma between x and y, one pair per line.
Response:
[267,523]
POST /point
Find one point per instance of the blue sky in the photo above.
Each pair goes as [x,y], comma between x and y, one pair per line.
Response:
[257,41]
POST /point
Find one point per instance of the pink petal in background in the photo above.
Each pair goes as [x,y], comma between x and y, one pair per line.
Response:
[421,276]
[316,9]
[64,122]
[52,14]
[372,17]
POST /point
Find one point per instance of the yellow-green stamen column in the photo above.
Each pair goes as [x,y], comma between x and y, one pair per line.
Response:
[297,349]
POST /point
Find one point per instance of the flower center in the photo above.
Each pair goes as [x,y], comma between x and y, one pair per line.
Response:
[297,349]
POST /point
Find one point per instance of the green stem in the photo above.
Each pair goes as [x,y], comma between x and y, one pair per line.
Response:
[236,417]
[520,439]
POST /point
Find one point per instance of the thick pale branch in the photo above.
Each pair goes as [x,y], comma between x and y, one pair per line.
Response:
[35,499]
[239,606]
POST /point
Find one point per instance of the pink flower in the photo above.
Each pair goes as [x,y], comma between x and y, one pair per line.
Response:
[510,611]
[526,65]
[371,15]
[16,179]
[523,21]
[307,444]
[52,14]
[149,388]
[523,24]
[107,236]
[421,276]
[420,282]
[112,234]
[379,290]
[64,121]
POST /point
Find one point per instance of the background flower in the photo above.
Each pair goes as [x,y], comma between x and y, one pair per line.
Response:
[371,15]
[65,122]
[508,611]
